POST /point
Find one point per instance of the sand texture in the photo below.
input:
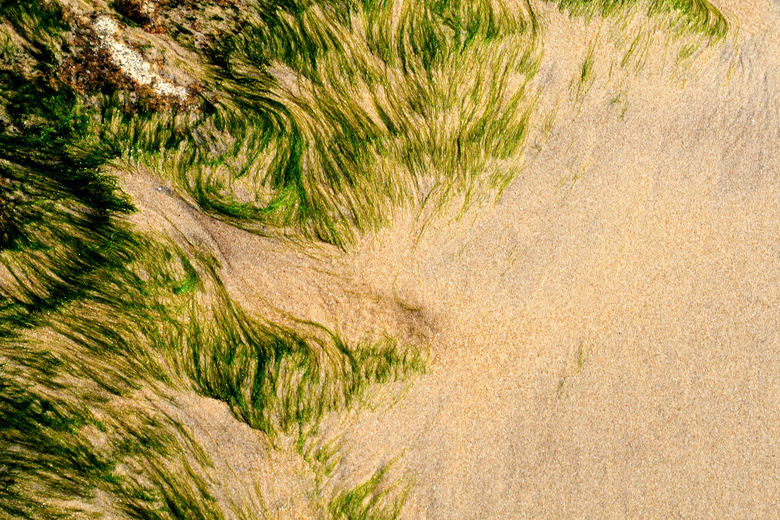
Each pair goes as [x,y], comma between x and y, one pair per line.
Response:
[609,348]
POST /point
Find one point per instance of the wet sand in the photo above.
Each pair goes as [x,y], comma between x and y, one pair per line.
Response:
[623,364]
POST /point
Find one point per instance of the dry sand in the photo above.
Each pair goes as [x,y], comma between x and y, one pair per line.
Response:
[605,339]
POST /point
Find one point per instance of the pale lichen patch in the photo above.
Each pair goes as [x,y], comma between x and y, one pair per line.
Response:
[131,62]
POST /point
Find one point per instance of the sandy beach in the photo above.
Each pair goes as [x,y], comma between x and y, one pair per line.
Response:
[602,340]
[605,346]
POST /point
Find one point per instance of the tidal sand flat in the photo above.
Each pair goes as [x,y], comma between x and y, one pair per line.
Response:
[356,259]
